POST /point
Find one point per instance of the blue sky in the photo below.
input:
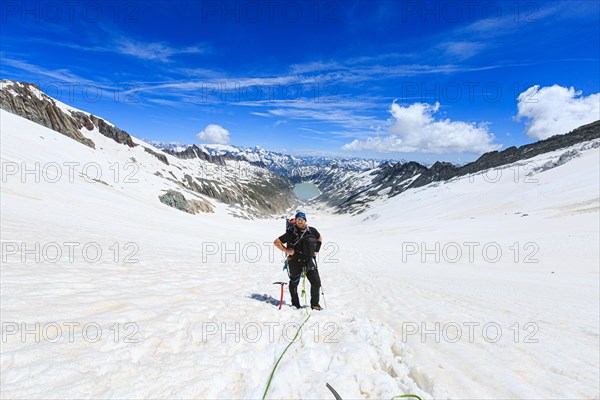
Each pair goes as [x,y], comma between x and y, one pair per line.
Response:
[396,79]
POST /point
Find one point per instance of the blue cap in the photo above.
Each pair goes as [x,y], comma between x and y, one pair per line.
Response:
[301,215]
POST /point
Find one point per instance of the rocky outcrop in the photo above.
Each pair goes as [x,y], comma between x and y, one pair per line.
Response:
[563,159]
[270,194]
[161,157]
[194,151]
[177,200]
[111,131]
[83,120]
[513,154]
[28,101]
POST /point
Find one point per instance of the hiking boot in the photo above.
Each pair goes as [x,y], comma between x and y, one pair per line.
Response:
[296,305]
[317,307]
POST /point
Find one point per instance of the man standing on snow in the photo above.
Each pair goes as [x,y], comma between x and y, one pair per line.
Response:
[303,244]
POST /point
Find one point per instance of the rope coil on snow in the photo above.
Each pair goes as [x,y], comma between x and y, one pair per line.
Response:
[281,356]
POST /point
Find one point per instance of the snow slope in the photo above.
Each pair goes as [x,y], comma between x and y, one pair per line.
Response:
[549,286]
[186,307]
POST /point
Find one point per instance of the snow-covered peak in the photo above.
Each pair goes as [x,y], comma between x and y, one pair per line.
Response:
[285,164]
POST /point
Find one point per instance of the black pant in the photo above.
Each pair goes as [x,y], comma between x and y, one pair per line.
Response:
[295,268]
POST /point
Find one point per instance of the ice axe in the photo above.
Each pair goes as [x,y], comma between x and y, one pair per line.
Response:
[335,394]
[338,397]
[281,298]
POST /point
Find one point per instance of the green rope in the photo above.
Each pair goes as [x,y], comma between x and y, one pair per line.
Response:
[414,396]
[281,356]
[304,290]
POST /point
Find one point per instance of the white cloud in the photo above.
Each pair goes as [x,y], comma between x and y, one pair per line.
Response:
[113,42]
[555,110]
[214,134]
[154,51]
[461,49]
[61,75]
[415,129]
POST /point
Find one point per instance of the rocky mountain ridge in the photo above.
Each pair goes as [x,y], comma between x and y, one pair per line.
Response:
[28,101]
[350,194]
[249,190]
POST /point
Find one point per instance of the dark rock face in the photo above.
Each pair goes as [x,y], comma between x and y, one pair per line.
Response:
[161,157]
[512,154]
[24,102]
[268,195]
[564,158]
[194,151]
[396,174]
[272,195]
[175,199]
[112,132]
[27,101]
[83,120]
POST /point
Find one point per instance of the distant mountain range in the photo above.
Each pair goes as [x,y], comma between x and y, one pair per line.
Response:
[346,185]
[350,185]
[285,164]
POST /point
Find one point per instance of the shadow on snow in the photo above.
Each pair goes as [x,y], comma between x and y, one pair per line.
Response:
[266,299]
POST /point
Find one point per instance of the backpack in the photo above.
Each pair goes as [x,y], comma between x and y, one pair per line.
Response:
[290,223]
[305,245]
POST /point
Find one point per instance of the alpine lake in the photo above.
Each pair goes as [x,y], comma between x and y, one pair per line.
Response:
[306,190]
